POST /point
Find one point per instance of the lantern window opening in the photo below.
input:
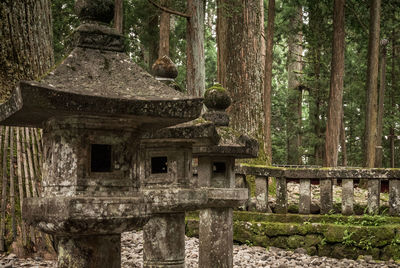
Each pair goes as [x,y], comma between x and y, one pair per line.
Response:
[219,167]
[100,160]
[159,164]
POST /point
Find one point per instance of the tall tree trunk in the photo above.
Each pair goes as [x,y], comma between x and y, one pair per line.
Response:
[241,62]
[295,67]
[381,100]
[335,103]
[316,21]
[27,53]
[164,31]
[26,38]
[20,184]
[372,83]
[336,87]
[392,96]
[268,80]
[12,187]
[119,15]
[4,191]
[153,44]
[195,62]
[343,147]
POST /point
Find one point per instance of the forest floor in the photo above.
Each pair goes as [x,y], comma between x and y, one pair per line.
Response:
[243,256]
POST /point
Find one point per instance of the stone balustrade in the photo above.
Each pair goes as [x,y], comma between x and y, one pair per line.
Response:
[325,177]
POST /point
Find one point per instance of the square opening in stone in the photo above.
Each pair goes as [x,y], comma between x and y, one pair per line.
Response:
[100,158]
[219,167]
[159,164]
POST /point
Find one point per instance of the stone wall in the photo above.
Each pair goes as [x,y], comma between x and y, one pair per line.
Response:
[329,235]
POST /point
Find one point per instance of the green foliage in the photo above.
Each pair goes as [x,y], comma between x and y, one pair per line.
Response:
[64,22]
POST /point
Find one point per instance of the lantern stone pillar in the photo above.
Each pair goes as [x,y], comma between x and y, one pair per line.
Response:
[216,169]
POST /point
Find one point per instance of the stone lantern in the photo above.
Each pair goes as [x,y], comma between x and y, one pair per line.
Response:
[118,148]
[93,107]
[216,169]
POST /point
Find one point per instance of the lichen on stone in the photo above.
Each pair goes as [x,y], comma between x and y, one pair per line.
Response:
[217,98]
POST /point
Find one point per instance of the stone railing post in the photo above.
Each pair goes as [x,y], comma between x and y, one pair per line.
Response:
[347,196]
[326,195]
[305,196]
[281,195]
[262,193]
[374,190]
[394,197]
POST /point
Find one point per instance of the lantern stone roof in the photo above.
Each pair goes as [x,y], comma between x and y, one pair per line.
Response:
[98,79]
[211,134]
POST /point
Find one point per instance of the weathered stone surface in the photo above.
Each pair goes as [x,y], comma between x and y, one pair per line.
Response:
[164,67]
[347,196]
[394,197]
[95,10]
[261,193]
[97,36]
[198,131]
[281,196]
[216,238]
[102,215]
[99,83]
[374,190]
[216,98]
[231,143]
[326,196]
[305,196]
[100,251]
[164,241]
[219,118]
[321,173]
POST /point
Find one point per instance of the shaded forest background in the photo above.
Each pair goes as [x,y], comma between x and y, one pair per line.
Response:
[243,40]
[301,68]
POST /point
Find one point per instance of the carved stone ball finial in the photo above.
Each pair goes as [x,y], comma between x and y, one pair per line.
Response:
[164,67]
[95,10]
[216,98]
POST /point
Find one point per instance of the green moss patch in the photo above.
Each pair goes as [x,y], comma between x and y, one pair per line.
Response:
[324,235]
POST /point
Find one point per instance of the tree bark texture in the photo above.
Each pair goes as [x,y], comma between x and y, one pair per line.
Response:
[4,191]
[268,80]
[26,52]
[392,96]
[294,103]
[372,83]
[119,15]
[336,87]
[153,43]
[195,62]
[343,147]
[381,100]
[26,42]
[241,62]
[164,31]
[317,91]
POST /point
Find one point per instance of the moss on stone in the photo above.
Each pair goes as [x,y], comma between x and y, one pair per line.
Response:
[391,252]
[217,98]
[312,240]
[293,208]
[333,235]
[296,241]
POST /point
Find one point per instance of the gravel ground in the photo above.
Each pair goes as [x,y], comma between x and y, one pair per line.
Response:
[244,256]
